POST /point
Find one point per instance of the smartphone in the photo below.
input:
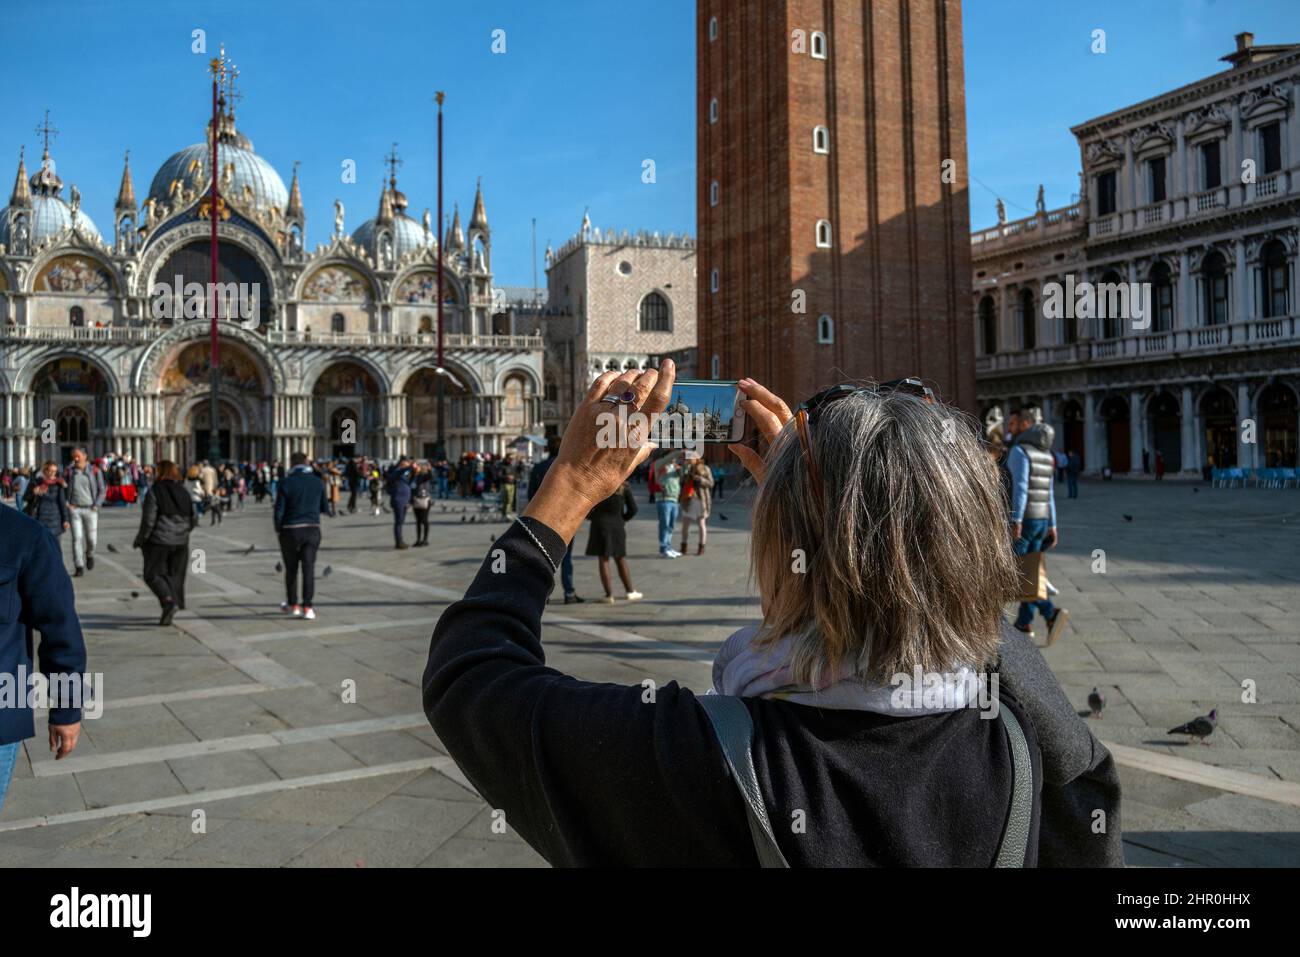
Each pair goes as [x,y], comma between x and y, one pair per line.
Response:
[704,410]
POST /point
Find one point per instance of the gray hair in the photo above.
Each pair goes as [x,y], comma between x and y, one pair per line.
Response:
[909,563]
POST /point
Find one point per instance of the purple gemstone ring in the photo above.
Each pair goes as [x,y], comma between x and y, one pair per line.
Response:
[626,398]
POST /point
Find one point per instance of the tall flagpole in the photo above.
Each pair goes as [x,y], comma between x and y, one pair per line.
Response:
[214,433]
[442,373]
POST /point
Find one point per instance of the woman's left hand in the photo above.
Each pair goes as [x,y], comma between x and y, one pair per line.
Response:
[588,471]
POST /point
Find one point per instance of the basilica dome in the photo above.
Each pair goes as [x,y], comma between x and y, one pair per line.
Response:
[39,203]
[254,182]
[407,235]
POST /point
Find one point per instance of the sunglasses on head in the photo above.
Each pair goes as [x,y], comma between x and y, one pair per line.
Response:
[808,412]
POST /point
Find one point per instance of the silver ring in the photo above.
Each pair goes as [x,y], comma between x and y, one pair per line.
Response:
[624,398]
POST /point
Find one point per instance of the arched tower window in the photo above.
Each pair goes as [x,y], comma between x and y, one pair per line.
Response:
[823,234]
[825,330]
[821,139]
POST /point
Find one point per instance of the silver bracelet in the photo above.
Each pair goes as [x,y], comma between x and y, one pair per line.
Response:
[554,567]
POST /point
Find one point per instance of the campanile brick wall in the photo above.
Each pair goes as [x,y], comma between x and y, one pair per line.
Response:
[896,280]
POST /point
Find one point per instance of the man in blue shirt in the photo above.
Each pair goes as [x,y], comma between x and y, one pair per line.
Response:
[399,497]
[1032,468]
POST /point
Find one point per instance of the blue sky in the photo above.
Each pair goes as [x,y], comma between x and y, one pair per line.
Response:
[562,121]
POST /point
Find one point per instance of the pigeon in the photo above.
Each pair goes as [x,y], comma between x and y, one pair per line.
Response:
[326,572]
[722,516]
[250,550]
[1096,701]
[1195,489]
[112,548]
[1128,518]
[1201,727]
[135,594]
[462,518]
[279,566]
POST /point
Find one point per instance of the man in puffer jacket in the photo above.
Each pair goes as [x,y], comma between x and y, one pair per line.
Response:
[1032,468]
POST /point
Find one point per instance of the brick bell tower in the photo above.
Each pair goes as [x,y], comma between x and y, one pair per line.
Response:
[833,209]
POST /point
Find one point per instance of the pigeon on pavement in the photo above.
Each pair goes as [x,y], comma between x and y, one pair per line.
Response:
[112,548]
[1200,728]
[250,549]
[279,567]
[326,572]
[1128,518]
[1096,701]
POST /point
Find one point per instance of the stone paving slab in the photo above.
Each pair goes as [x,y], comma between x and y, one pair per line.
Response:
[1201,592]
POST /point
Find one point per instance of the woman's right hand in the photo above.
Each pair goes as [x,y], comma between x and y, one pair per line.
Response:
[769,413]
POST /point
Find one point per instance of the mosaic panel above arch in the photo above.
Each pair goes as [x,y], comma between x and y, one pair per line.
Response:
[337,284]
[192,367]
[75,274]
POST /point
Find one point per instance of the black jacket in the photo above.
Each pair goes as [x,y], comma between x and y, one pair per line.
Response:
[300,499]
[597,774]
[50,509]
[167,516]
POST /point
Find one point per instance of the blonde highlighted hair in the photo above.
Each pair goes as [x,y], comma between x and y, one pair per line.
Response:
[909,564]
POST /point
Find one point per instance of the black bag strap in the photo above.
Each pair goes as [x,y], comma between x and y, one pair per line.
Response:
[734,729]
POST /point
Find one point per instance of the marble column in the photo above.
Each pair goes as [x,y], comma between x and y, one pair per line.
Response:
[1191,463]
[1093,454]
[1241,285]
[1245,414]
[1186,317]
[1137,428]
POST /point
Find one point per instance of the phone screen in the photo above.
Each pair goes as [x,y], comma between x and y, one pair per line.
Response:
[705,411]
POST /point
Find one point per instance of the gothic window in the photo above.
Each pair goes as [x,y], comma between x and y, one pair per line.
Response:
[988,326]
[337,323]
[1162,297]
[825,330]
[1270,147]
[1105,190]
[1156,179]
[72,425]
[1211,170]
[654,314]
[1273,303]
[818,45]
[1110,305]
[821,139]
[76,317]
[1214,286]
[823,234]
[1028,320]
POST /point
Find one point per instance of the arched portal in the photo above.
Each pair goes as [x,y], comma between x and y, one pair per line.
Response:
[243,417]
[1115,413]
[1071,413]
[1219,413]
[73,395]
[346,411]
[421,393]
[1166,431]
[1276,407]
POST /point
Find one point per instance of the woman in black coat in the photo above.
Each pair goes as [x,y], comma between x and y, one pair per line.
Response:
[166,519]
[609,540]
[47,501]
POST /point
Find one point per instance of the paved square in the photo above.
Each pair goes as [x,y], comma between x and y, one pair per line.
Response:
[228,738]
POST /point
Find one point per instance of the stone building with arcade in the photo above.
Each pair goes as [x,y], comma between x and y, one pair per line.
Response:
[337,354]
[1193,195]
